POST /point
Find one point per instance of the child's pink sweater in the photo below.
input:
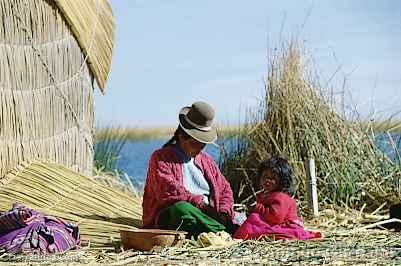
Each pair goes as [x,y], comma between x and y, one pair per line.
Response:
[276,215]
[277,208]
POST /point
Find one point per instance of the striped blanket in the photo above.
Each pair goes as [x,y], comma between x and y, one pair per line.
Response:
[23,230]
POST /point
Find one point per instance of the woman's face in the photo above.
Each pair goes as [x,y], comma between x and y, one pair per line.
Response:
[269,181]
[190,146]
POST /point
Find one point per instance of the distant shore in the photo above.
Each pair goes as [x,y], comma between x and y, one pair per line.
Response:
[138,133]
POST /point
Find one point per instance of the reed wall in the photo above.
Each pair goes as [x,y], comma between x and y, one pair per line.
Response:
[46,89]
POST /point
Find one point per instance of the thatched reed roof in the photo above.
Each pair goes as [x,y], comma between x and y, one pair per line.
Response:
[92,23]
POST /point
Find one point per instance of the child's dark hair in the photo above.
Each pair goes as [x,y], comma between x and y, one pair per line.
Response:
[282,168]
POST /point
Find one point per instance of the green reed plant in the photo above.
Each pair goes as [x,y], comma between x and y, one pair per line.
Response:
[108,146]
[297,121]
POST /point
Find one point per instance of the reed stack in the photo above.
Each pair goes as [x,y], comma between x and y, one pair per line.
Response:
[100,208]
[298,119]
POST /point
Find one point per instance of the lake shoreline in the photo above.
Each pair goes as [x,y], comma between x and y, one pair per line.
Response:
[157,132]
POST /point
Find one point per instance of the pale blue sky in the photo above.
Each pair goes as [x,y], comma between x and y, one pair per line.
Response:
[171,53]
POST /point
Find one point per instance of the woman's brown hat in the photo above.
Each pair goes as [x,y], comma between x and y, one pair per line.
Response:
[197,120]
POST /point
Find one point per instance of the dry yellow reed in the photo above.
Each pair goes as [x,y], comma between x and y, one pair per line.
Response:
[100,211]
[92,22]
[40,62]
[297,121]
[370,247]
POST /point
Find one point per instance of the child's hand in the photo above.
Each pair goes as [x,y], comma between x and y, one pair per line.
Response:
[260,196]
[259,208]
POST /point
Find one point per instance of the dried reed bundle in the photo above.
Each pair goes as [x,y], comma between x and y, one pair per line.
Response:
[92,22]
[298,122]
[117,180]
[100,210]
[46,90]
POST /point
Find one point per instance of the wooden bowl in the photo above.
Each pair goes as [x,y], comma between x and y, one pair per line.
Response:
[146,239]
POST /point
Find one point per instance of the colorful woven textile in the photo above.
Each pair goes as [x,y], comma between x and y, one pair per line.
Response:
[23,230]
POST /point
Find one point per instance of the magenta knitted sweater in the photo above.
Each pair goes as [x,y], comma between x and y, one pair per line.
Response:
[164,185]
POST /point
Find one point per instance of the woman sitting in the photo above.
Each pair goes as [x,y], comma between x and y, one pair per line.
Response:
[184,188]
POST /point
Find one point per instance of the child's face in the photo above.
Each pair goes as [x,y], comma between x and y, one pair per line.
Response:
[269,181]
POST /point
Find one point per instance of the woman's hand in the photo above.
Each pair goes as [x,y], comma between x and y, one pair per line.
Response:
[221,217]
[211,212]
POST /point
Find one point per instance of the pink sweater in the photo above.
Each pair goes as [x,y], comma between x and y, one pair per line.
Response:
[277,208]
[275,215]
[164,185]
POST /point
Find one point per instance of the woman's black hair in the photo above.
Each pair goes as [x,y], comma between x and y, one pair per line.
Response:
[282,168]
[174,138]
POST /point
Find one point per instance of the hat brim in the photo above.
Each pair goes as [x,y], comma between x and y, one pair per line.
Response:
[203,136]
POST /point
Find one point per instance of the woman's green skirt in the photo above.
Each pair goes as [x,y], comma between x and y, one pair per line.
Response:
[186,217]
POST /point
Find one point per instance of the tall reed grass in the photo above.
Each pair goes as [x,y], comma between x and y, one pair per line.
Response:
[297,121]
[108,146]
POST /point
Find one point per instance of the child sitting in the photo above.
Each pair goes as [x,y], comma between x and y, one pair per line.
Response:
[275,212]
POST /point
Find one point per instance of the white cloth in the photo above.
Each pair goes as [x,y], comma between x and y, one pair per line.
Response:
[193,178]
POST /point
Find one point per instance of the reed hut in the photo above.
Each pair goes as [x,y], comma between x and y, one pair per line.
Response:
[51,51]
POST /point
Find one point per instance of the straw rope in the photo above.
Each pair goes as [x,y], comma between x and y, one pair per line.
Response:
[46,91]
[100,211]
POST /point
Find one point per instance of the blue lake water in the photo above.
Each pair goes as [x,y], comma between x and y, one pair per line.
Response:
[135,154]
[390,144]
